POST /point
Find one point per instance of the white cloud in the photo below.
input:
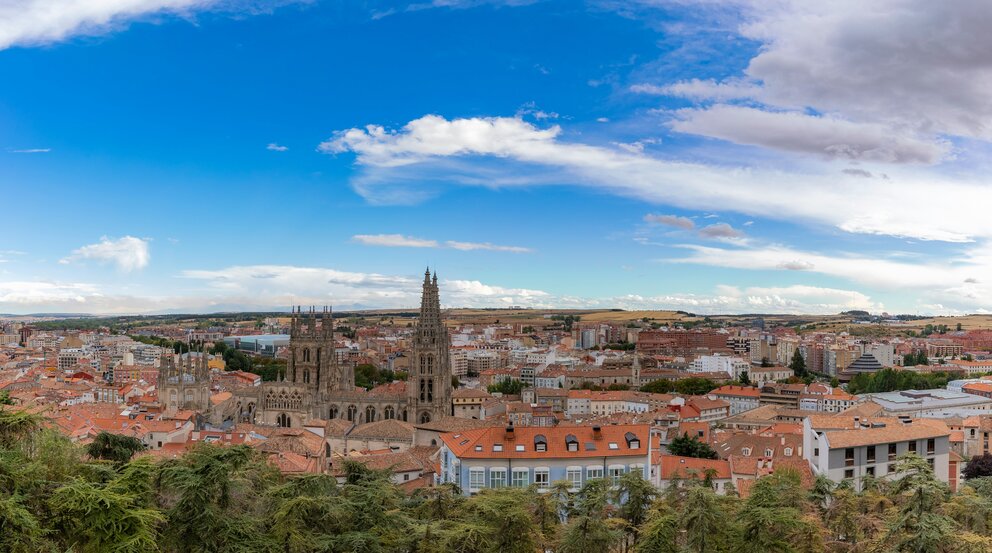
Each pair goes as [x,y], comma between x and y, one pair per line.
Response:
[824,136]
[128,253]
[676,221]
[272,146]
[914,69]
[14,293]
[720,230]
[31,22]
[32,151]
[394,241]
[401,241]
[952,281]
[434,149]
[468,246]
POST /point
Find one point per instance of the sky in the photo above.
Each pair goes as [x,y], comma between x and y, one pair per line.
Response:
[713,156]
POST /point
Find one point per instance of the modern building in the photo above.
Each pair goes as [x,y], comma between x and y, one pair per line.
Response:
[261,344]
[518,457]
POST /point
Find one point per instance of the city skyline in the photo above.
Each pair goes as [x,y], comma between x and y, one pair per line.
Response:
[730,156]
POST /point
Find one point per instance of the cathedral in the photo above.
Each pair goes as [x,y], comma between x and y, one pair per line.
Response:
[316,386]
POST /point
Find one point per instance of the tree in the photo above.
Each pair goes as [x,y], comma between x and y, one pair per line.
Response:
[114,447]
[978,467]
[798,364]
[744,379]
[658,387]
[690,446]
[509,386]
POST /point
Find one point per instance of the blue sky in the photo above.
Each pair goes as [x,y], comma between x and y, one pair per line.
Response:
[713,156]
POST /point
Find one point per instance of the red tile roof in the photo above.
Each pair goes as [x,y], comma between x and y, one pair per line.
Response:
[464,444]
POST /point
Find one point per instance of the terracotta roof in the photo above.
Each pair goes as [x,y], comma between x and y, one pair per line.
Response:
[390,428]
[899,432]
[453,424]
[737,391]
[464,444]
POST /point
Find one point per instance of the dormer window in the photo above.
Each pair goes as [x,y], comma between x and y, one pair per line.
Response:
[633,442]
[571,444]
[788,452]
[540,443]
[768,453]
[478,447]
[497,447]
[746,451]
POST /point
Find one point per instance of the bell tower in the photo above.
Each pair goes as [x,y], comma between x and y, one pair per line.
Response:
[429,383]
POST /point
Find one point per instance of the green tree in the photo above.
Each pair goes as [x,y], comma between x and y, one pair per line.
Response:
[690,446]
[114,447]
[798,364]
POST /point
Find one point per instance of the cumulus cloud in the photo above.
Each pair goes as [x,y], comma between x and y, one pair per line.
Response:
[915,69]
[824,136]
[273,147]
[720,230]
[676,221]
[128,253]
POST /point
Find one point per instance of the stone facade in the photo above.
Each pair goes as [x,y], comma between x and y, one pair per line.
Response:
[317,386]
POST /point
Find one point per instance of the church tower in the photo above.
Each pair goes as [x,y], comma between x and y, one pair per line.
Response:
[312,363]
[186,385]
[429,383]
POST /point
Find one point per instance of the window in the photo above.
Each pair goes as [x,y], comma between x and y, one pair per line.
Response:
[476,478]
[520,447]
[571,443]
[788,452]
[769,453]
[931,446]
[497,478]
[478,447]
[615,473]
[849,473]
[497,447]
[520,477]
[912,447]
[540,443]
[594,472]
[574,476]
[746,452]
[816,452]
[870,454]
[613,445]
[849,457]
[892,452]
[542,477]
[870,471]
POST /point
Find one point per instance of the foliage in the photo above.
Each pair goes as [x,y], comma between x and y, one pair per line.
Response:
[979,466]
[53,499]
[369,376]
[918,357]
[798,364]
[114,447]
[510,386]
[889,380]
[690,446]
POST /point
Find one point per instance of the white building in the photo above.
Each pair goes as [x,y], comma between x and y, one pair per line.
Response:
[733,366]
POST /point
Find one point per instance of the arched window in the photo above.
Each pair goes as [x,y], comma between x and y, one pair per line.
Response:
[430,390]
[306,355]
[327,449]
[306,376]
[423,390]
[425,417]
[389,412]
[370,414]
[352,410]
[283,420]
[334,412]
[404,415]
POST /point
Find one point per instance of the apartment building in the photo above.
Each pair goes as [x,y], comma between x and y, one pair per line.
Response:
[870,447]
[518,457]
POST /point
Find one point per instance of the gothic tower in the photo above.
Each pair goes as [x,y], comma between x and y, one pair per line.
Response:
[312,362]
[429,382]
[186,385]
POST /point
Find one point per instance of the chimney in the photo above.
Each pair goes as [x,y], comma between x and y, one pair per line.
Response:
[509,432]
[597,432]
